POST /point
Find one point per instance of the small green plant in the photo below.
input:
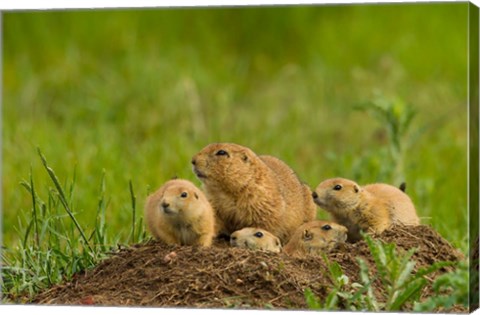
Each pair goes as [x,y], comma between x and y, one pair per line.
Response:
[343,295]
[54,245]
[394,270]
[399,285]
[450,289]
[397,116]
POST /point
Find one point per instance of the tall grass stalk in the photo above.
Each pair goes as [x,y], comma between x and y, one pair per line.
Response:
[63,199]
[34,208]
[133,199]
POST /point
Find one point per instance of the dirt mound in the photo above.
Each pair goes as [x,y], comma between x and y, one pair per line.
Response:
[153,274]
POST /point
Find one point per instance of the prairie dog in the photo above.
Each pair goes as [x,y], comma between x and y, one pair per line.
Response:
[256,239]
[371,208]
[316,237]
[248,190]
[179,213]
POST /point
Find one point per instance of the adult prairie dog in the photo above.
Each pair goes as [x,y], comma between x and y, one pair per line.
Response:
[179,213]
[316,237]
[247,190]
[371,208]
[256,239]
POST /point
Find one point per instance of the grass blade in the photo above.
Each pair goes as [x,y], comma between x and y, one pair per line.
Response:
[27,232]
[34,206]
[313,302]
[367,283]
[411,290]
[63,199]
[379,256]
[134,199]
[405,273]
[434,267]
[99,230]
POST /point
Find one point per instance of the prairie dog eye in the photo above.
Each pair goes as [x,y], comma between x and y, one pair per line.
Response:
[337,187]
[221,152]
[258,234]
[326,227]
[184,194]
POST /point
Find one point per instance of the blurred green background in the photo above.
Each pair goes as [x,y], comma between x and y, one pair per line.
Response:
[138,92]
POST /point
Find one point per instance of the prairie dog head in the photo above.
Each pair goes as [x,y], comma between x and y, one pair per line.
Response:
[337,195]
[256,239]
[316,237]
[225,165]
[176,199]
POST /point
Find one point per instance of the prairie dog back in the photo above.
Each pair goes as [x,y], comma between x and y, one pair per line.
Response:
[401,208]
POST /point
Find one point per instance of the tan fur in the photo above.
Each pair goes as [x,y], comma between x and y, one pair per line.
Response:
[316,237]
[248,190]
[180,220]
[250,238]
[371,208]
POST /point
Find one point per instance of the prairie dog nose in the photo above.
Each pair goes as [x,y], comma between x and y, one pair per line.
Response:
[165,204]
[314,195]
[194,161]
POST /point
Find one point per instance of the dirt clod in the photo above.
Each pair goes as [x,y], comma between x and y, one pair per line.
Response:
[154,274]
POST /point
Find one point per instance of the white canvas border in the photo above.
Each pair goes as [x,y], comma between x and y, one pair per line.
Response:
[98,4]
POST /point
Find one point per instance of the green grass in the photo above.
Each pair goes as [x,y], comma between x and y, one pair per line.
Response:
[54,245]
[122,98]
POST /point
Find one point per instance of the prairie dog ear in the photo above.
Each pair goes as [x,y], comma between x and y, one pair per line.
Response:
[195,194]
[277,242]
[307,235]
[356,188]
[244,157]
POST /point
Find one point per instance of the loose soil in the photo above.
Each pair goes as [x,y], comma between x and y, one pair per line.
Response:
[154,274]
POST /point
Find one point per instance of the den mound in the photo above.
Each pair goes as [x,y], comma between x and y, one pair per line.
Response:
[153,274]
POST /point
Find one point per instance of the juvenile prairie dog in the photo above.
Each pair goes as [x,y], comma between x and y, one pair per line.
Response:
[371,208]
[247,190]
[179,213]
[316,237]
[256,239]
